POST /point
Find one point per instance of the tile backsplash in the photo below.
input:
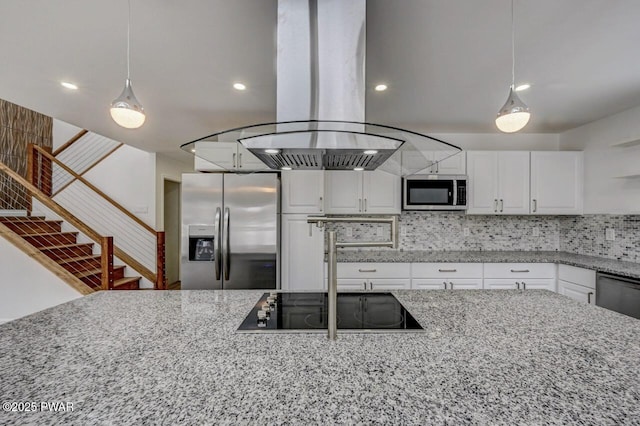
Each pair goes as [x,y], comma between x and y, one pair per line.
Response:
[586,235]
[446,231]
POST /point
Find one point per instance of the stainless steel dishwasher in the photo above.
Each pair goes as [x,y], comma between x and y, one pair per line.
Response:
[620,294]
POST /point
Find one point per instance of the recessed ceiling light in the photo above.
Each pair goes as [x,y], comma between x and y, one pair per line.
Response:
[522,87]
[381,87]
[370,152]
[358,169]
[272,151]
[239,86]
[193,150]
[68,85]
[285,168]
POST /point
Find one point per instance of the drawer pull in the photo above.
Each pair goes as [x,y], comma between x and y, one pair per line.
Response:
[447,270]
[367,270]
[519,270]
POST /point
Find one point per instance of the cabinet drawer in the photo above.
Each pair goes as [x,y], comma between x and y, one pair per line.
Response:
[374,270]
[446,284]
[519,270]
[580,276]
[446,270]
[520,284]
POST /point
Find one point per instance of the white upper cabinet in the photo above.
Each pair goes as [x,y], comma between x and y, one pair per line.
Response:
[513,182]
[381,192]
[498,182]
[303,191]
[225,156]
[556,182]
[441,162]
[349,192]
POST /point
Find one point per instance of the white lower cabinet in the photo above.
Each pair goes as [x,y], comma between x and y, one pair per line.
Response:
[577,283]
[446,276]
[523,276]
[302,255]
[519,284]
[373,276]
[446,284]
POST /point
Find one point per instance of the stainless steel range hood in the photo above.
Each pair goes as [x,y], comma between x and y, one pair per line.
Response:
[321,101]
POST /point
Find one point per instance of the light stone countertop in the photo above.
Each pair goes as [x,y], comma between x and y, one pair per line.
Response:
[629,269]
[171,357]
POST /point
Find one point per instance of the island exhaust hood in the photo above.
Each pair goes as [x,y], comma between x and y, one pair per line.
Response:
[321,101]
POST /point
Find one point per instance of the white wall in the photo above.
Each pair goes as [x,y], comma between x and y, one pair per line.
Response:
[62,132]
[167,168]
[605,191]
[26,286]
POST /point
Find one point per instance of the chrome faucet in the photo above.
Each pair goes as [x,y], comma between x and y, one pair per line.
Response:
[332,257]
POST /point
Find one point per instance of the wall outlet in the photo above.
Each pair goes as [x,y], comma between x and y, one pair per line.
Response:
[536,231]
[610,234]
[379,231]
[349,232]
[465,232]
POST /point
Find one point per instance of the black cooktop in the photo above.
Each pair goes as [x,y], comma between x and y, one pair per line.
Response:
[307,312]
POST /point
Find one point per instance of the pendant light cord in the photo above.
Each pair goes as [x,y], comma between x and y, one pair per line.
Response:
[129,36]
[513,51]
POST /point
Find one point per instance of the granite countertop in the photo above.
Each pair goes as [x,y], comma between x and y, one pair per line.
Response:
[487,357]
[629,269]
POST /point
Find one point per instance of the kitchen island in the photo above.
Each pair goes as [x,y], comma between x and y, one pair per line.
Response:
[485,357]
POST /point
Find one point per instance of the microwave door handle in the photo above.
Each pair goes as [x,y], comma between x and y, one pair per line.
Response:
[455,193]
[218,234]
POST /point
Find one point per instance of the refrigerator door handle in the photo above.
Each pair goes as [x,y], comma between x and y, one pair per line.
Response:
[225,253]
[217,257]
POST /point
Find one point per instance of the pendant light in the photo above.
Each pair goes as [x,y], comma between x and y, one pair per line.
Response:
[514,115]
[126,110]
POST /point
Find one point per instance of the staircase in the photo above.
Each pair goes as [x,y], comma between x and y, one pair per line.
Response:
[64,248]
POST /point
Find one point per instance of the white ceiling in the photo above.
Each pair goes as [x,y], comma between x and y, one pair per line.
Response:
[446,62]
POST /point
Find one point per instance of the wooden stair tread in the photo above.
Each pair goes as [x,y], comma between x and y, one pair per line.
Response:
[77,259]
[48,234]
[95,271]
[63,246]
[127,283]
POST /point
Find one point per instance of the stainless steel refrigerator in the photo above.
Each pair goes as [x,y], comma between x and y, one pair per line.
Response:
[230,228]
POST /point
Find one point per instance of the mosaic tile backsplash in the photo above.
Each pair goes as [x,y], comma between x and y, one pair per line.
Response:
[440,231]
[586,235]
[445,231]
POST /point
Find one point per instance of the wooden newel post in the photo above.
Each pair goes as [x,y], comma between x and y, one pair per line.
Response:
[30,164]
[106,259]
[161,277]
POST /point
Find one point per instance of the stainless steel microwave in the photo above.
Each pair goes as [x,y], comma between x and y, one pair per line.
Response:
[434,192]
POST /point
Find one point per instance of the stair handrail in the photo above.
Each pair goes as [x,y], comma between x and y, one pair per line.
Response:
[157,277]
[104,241]
[70,142]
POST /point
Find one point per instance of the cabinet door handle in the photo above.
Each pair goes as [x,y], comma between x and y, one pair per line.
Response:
[445,284]
[535,205]
[447,270]
[240,160]
[311,229]
[367,270]
[518,285]
[519,270]
[359,204]
[320,204]
[524,285]
[365,204]
[589,297]
[501,205]
[495,205]
[365,285]
[450,285]
[234,159]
